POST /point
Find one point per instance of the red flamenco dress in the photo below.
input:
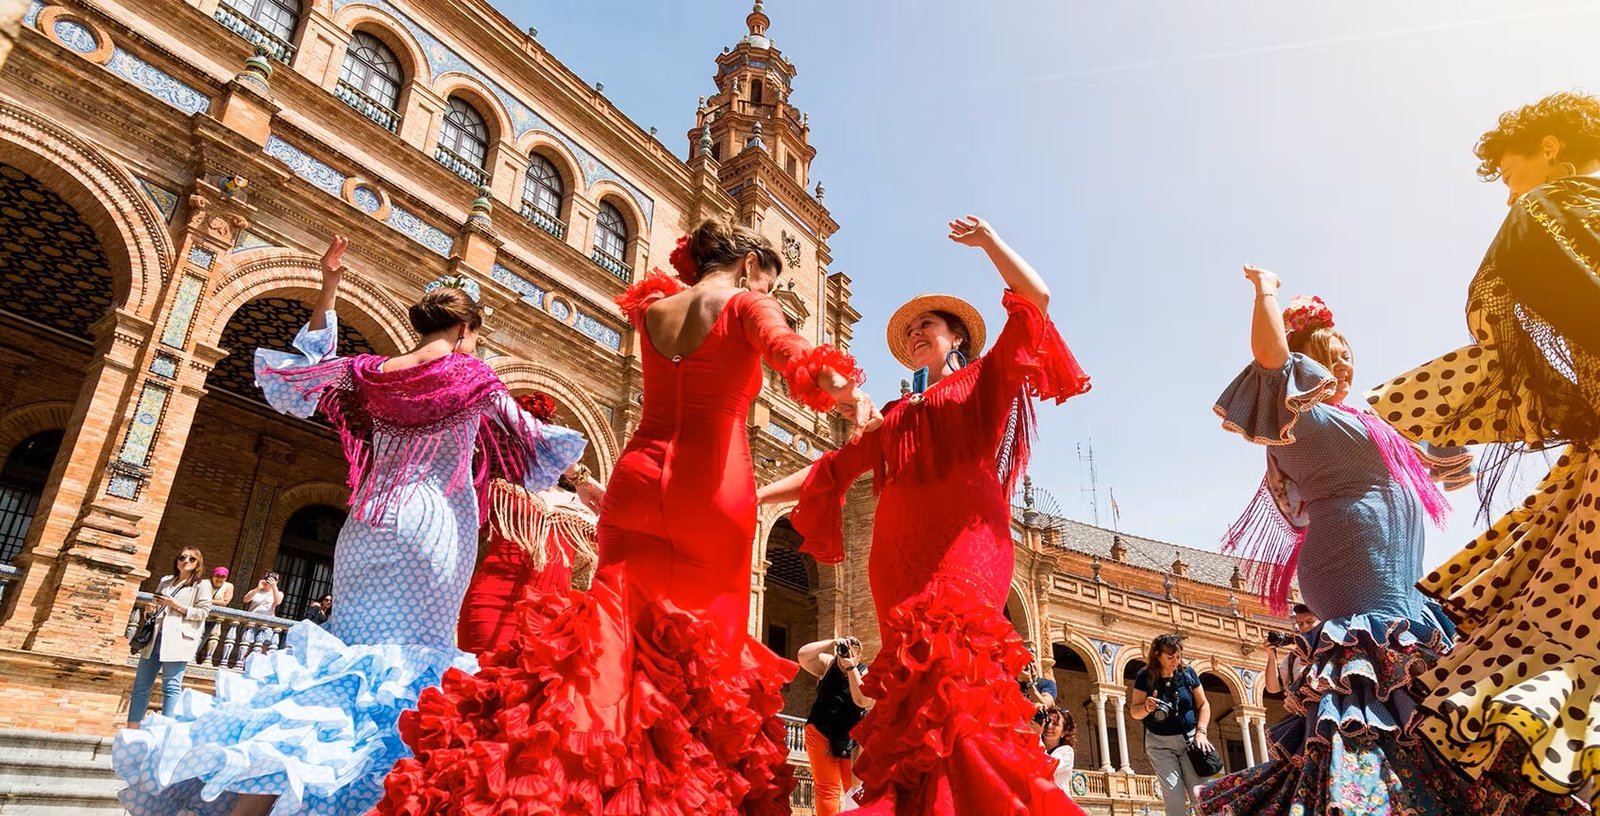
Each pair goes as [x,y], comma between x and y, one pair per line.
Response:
[948,735]
[644,695]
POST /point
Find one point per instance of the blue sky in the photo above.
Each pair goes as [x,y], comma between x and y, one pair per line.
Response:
[1137,153]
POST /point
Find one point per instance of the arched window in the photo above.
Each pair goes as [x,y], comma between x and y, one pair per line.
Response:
[22,481]
[611,240]
[542,192]
[305,558]
[464,141]
[369,80]
[267,22]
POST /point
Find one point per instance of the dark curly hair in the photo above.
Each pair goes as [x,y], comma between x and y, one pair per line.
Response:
[1572,118]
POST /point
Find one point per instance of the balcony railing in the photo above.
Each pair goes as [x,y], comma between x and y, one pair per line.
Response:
[230,635]
[612,264]
[252,31]
[453,162]
[8,576]
[544,220]
[367,106]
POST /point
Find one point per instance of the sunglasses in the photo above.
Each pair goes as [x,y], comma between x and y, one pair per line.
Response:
[187,558]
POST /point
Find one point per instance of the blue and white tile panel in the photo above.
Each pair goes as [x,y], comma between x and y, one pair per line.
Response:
[559,307]
[442,60]
[331,181]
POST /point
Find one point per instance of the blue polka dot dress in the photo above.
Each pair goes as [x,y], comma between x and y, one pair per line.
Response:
[314,724]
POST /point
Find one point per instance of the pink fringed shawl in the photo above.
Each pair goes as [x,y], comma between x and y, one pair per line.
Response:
[394,425]
[1267,537]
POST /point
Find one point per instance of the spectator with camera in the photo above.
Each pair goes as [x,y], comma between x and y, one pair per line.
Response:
[1281,673]
[840,704]
[1060,738]
[1041,691]
[264,600]
[1168,699]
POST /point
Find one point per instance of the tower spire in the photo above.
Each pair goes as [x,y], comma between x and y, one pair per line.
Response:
[758,21]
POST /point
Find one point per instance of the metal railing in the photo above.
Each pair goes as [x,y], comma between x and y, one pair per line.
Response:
[230,635]
[615,266]
[8,576]
[367,106]
[544,220]
[277,47]
[453,162]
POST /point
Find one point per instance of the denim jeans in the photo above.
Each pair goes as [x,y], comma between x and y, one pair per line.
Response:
[1174,775]
[145,677]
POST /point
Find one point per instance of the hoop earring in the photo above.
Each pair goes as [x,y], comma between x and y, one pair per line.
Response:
[744,282]
[456,349]
[956,353]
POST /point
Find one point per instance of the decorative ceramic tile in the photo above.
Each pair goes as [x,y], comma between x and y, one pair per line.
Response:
[75,36]
[142,431]
[530,291]
[366,200]
[420,231]
[201,257]
[599,332]
[559,309]
[157,83]
[124,487]
[524,119]
[1108,652]
[166,202]
[31,18]
[803,446]
[183,312]
[1247,677]
[305,166]
[782,434]
[164,365]
[249,240]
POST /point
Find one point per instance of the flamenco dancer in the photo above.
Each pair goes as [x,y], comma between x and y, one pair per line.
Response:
[1344,503]
[645,694]
[312,728]
[544,542]
[948,733]
[1519,698]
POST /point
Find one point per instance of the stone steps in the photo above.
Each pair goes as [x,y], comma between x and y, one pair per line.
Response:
[45,774]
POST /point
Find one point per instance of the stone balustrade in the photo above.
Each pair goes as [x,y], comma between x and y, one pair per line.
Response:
[230,636]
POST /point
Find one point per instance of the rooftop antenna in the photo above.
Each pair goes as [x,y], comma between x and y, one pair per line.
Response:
[1086,462]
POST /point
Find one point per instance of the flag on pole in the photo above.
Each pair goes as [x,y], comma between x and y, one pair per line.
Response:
[1116,514]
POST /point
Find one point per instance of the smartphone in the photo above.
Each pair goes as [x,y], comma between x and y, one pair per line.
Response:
[919,380]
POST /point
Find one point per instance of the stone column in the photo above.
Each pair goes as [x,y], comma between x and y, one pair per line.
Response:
[1261,735]
[1122,733]
[1249,741]
[1105,738]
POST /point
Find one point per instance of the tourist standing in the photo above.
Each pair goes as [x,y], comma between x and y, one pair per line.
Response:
[182,603]
[840,704]
[1168,700]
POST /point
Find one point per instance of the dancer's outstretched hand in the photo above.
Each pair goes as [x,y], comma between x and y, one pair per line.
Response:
[972,231]
[333,267]
[1266,283]
[862,411]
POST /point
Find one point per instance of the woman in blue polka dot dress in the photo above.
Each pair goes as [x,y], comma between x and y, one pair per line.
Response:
[311,729]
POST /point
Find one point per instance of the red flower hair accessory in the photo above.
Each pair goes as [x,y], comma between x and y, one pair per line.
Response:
[1306,313]
[539,405]
[684,263]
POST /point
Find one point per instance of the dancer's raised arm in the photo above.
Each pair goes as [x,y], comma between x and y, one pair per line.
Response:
[1018,274]
[333,270]
[1268,342]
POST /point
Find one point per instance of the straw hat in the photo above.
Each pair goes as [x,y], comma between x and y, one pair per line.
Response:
[900,322]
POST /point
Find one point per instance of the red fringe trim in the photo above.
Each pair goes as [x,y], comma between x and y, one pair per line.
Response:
[638,297]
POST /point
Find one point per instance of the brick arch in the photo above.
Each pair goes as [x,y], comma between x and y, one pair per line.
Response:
[566,162]
[289,501]
[381,24]
[20,423]
[1030,616]
[501,131]
[1086,652]
[608,190]
[521,375]
[134,235]
[1229,678]
[1131,653]
[274,271]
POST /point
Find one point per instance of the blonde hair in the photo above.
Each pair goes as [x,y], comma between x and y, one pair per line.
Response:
[1317,343]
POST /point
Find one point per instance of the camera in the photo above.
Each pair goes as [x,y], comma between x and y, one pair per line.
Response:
[1040,714]
[1280,639]
[1163,710]
[846,647]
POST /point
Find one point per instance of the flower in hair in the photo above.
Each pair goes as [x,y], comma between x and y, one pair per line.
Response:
[539,405]
[1305,313]
[684,262]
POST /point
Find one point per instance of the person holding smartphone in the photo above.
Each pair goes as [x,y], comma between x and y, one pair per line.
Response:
[840,704]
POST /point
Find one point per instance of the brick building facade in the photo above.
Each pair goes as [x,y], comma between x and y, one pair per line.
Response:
[169,173]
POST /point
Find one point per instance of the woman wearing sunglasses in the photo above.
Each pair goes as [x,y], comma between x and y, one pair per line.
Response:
[182,603]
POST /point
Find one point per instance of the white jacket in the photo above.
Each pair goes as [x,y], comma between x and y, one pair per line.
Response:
[181,630]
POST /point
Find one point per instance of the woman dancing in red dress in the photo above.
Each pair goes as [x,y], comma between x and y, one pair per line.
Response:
[645,694]
[948,734]
[538,542]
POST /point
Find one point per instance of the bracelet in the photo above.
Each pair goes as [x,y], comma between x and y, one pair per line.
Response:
[1261,295]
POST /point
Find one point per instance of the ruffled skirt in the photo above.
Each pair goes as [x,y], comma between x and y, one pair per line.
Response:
[948,735]
[1347,751]
[596,709]
[1525,680]
[313,724]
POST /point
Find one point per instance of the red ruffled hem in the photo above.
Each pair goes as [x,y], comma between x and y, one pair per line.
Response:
[1051,369]
[638,297]
[948,734]
[801,375]
[584,714]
